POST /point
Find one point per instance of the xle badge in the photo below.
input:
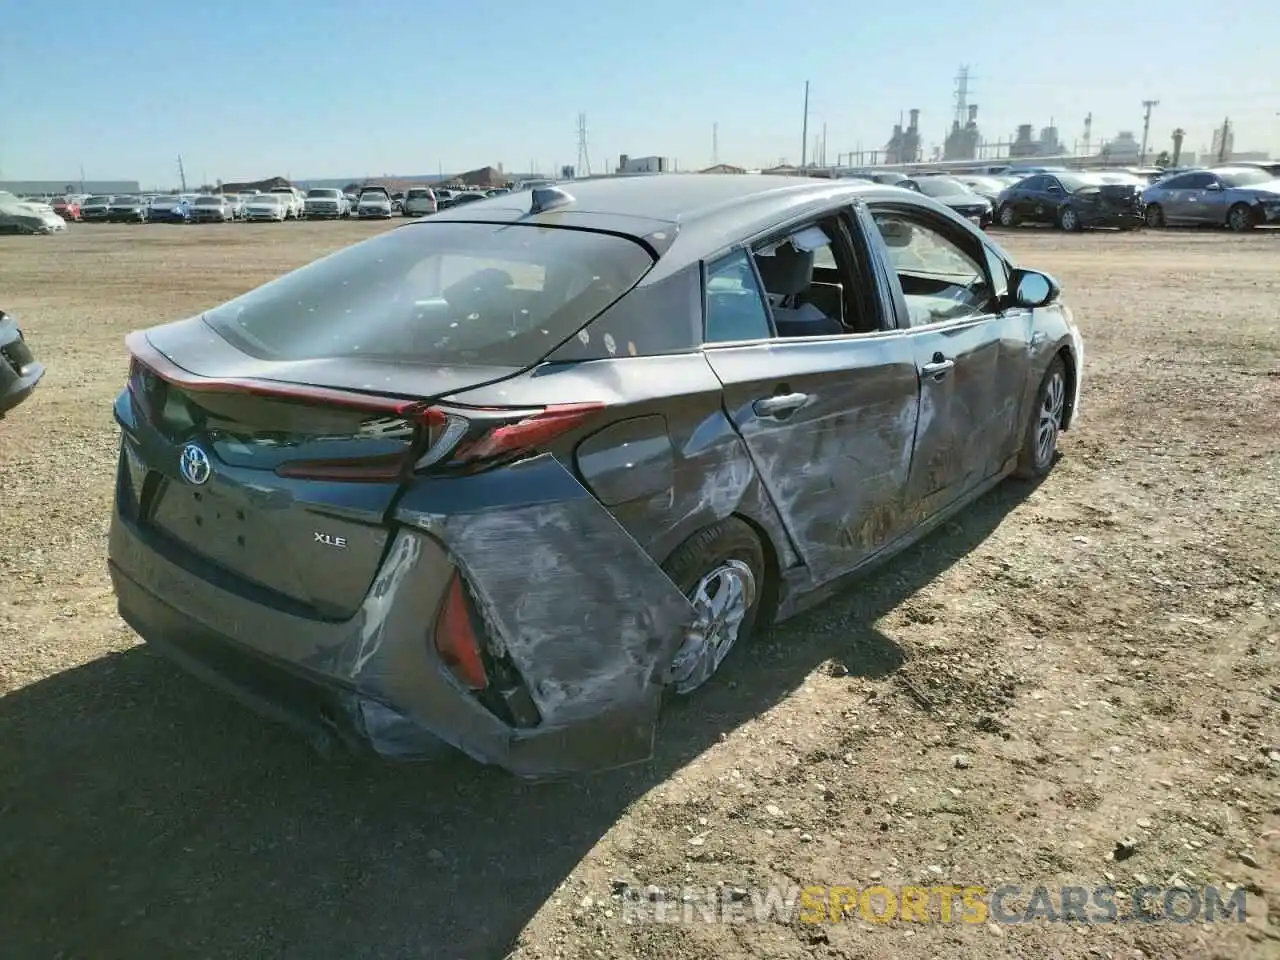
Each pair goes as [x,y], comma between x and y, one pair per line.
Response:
[329,540]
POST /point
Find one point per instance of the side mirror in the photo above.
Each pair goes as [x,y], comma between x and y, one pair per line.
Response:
[1034,289]
[1214,186]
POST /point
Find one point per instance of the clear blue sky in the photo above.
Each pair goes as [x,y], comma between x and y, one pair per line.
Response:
[320,88]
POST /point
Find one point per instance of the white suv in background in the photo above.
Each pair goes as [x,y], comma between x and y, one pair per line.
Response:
[419,201]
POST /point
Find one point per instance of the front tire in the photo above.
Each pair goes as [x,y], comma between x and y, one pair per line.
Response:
[722,570]
[1155,216]
[1240,218]
[1044,425]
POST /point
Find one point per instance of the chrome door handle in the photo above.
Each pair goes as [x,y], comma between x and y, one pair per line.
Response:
[784,403]
[937,369]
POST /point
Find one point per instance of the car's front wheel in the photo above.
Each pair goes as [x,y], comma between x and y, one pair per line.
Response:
[1240,218]
[1044,426]
[1155,216]
[721,569]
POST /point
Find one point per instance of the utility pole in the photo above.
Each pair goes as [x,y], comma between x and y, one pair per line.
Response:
[1147,106]
[715,144]
[824,144]
[584,159]
[1224,141]
[182,174]
[82,178]
[804,132]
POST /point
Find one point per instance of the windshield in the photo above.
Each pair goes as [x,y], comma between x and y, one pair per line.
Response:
[164,202]
[322,194]
[457,293]
[98,200]
[266,198]
[1244,178]
[124,200]
[941,187]
[208,201]
[417,194]
[373,195]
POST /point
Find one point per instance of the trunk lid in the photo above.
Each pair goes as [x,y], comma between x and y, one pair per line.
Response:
[279,487]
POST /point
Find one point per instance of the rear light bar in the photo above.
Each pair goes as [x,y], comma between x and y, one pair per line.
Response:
[443,432]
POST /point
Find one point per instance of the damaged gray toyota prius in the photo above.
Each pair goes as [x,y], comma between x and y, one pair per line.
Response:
[498,479]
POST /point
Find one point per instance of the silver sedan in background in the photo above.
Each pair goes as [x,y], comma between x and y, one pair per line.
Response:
[1239,198]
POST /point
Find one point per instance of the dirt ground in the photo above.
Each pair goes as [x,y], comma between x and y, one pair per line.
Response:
[1058,670]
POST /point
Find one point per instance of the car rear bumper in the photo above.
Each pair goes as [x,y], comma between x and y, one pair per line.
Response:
[376,683]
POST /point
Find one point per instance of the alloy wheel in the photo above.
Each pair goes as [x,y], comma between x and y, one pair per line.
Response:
[720,601]
[1049,422]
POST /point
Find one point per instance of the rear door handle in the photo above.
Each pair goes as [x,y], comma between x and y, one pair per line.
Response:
[938,368]
[781,404]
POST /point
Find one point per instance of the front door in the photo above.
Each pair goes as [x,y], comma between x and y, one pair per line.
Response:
[969,385]
[827,419]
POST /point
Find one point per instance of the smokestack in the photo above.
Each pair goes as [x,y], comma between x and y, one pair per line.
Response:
[915,119]
[973,113]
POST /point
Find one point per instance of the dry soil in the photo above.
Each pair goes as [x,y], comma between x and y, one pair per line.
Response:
[1063,668]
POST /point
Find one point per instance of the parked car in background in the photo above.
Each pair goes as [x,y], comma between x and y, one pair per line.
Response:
[267,206]
[353,200]
[1071,201]
[325,203]
[68,208]
[212,208]
[419,202]
[987,187]
[1239,198]
[1270,166]
[954,194]
[127,210]
[374,203]
[19,371]
[500,478]
[466,196]
[397,202]
[95,209]
[168,210]
[294,202]
[20,216]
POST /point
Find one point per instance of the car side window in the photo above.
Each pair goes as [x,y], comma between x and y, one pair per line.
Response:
[1196,181]
[735,304]
[941,281]
[1033,184]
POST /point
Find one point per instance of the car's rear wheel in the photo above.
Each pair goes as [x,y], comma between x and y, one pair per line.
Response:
[721,569]
[1069,220]
[1007,217]
[1155,216]
[1240,218]
[1044,426]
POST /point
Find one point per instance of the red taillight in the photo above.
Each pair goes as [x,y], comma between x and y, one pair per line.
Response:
[456,639]
[530,432]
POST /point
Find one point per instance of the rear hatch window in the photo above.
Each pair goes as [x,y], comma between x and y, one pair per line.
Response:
[438,293]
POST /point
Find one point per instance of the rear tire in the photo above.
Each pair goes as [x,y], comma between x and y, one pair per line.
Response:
[1069,220]
[1044,424]
[724,562]
[1155,216]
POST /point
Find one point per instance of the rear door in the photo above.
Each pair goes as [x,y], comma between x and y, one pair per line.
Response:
[828,419]
[970,357]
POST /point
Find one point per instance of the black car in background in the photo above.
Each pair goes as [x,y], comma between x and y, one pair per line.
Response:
[19,371]
[1072,201]
[954,194]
